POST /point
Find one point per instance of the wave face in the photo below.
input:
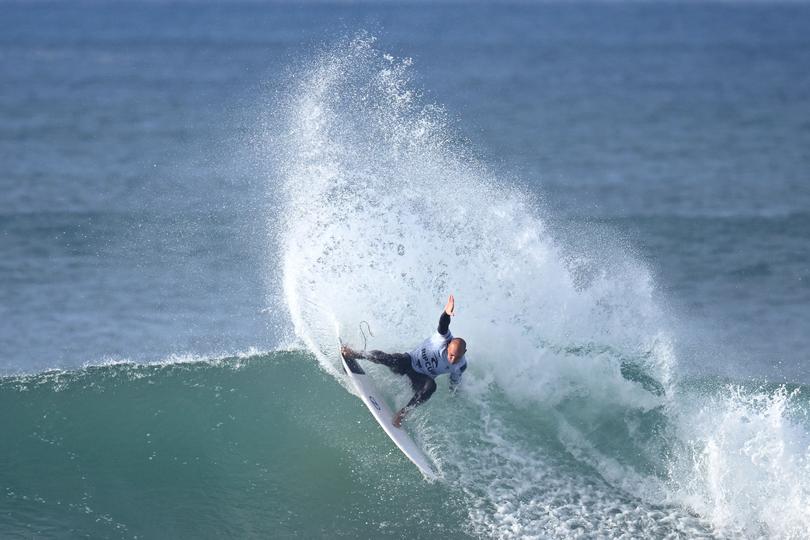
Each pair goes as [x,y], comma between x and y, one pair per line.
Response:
[573,420]
[265,446]
[269,446]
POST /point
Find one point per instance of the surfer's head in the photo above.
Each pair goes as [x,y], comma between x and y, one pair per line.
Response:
[456,349]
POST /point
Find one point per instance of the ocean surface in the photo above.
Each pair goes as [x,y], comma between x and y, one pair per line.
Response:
[193,195]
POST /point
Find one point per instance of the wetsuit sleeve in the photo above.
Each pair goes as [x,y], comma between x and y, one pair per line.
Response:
[444,324]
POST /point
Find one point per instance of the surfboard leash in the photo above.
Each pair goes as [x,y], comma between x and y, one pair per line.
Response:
[370,333]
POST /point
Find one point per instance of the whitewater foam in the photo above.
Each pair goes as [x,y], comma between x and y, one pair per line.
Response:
[387,210]
[746,465]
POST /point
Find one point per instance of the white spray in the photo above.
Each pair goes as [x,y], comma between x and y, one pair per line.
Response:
[386,212]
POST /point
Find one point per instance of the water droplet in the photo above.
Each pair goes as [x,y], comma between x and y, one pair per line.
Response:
[401,249]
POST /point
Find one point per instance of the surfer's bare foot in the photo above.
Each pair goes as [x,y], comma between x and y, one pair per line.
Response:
[397,420]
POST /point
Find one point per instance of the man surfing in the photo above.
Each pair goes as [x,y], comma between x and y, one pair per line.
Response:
[439,354]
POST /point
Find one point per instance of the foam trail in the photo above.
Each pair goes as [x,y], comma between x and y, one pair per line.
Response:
[387,211]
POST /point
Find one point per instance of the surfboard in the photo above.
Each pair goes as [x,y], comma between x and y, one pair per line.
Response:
[383,415]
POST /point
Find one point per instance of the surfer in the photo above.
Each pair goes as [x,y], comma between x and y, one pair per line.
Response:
[439,354]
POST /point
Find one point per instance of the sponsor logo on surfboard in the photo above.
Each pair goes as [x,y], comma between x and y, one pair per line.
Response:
[374,402]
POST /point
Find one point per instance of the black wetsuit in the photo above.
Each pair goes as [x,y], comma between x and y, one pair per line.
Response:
[401,364]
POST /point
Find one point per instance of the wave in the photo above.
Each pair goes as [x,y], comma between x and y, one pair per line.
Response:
[575,419]
[255,446]
[270,445]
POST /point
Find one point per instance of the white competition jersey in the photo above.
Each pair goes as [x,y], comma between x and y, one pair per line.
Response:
[430,358]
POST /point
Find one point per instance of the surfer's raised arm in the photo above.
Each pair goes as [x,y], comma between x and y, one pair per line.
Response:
[444,319]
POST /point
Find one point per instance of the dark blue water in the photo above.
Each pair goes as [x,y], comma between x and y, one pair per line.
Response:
[130,198]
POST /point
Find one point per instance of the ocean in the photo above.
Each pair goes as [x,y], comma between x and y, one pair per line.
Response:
[196,194]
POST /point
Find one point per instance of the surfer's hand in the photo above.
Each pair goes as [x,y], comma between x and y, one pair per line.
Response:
[397,420]
[450,306]
[347,353]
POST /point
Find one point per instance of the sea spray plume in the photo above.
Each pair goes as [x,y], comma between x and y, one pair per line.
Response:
[572,391]
[387,209]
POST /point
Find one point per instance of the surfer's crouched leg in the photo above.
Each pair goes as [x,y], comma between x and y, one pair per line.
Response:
[399,363]
[424,387]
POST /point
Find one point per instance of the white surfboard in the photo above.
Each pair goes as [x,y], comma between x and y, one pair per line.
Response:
[383,415]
